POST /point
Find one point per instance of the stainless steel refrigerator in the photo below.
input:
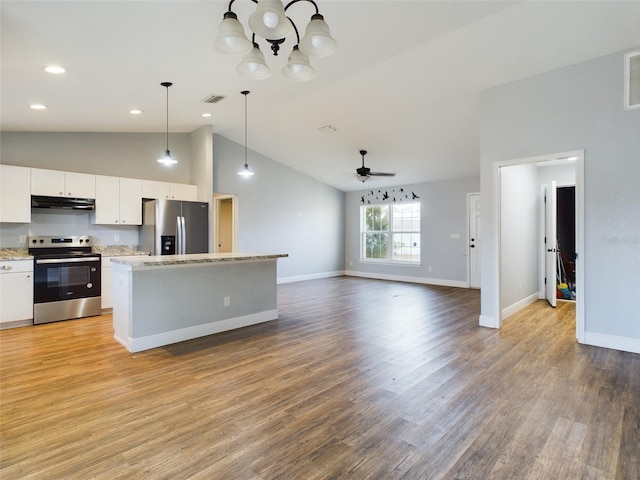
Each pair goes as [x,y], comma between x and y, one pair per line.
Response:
[173,227]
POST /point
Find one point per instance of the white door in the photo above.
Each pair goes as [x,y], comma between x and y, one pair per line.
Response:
[550,240]
[474,240]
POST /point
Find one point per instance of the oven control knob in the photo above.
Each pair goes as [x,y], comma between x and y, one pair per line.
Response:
[87,240]
[34,241]
[89,285]
[81,240]
[41,241]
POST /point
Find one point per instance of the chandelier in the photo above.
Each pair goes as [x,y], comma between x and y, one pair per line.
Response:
[271,22]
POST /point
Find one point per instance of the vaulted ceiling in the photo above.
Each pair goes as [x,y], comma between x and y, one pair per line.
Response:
[404,83]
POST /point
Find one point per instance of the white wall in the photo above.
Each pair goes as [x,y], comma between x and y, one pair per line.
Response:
[574,108]
[444,212]
[283,211]
[519,229]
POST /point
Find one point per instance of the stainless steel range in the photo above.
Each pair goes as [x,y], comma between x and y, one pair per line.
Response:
[66,278]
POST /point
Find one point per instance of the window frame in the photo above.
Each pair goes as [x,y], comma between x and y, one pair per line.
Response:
[389,260]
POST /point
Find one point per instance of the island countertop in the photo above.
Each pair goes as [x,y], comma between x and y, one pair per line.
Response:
[189,259]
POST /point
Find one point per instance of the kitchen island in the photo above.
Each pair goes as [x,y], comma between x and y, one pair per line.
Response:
[161,300]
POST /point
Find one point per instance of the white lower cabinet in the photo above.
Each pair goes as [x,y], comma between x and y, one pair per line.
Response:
[106,281]
[16,291]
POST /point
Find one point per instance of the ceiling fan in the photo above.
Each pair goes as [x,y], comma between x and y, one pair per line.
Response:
[364,173]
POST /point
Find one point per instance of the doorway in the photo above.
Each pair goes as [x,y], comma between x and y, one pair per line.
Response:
[504,224]
[225,223]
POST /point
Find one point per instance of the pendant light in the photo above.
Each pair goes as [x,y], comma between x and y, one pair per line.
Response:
[167,159]
[245,172]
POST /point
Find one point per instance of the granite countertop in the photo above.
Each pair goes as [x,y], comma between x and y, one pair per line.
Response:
[166,260]
[117,250]
[15,254]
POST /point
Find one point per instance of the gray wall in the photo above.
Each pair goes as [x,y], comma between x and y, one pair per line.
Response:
[443,207]
[578,107]
[132,155]
[282,211]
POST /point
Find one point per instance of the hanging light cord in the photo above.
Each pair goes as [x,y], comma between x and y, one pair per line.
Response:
[166,85]
[245,93]
[167,88]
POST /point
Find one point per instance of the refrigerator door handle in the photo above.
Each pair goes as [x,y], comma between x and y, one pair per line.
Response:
[184,236]
[178,236]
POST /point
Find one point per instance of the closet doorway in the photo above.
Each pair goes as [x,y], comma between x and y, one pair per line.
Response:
[512,291]
[225,223]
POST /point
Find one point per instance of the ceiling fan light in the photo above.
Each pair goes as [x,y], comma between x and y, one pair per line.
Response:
[363,178]
[269,20]
[167,159]
[253,65]
[317,40]
[298,67]
[231,36]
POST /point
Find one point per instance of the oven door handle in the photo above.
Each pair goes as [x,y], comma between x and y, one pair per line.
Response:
[67,260]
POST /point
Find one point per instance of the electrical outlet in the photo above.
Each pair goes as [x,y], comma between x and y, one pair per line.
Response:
[116,237]
[23,239]
[227,301]
[429,268]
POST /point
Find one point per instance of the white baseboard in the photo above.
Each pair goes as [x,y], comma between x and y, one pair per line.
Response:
[615,342]
[487,321]
[406,278]
[313,276]
[166,338]
[519,305]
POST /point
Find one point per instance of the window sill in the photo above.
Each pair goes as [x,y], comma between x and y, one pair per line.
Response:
[392,263]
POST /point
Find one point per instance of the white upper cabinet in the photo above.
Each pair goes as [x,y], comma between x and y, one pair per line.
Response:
[118,201]
[130,201]
[154,189]
[181,191]
[56,183]
[15,198]
[169,191]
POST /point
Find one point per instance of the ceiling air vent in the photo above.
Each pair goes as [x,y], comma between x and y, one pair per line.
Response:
[213,99]
[328,129]
[632,80]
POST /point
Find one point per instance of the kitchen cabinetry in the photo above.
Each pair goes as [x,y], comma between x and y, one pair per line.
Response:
[16,291]
[118,201]
[106,281]
[55,183]
[169,191]
[15,198]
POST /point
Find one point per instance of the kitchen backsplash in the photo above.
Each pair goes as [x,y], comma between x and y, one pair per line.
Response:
[56,222]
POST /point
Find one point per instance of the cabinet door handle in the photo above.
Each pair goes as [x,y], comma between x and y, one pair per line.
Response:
[7,267]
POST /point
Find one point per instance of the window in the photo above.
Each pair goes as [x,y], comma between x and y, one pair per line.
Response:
[390,232]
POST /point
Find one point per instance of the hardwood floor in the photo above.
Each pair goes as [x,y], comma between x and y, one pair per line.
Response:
[358,379]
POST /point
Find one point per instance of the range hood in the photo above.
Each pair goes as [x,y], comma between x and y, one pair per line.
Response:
[65,203]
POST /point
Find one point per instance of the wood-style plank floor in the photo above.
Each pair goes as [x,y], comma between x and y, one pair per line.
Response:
[358,379]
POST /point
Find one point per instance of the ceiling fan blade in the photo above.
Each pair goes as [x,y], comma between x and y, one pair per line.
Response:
[382,174]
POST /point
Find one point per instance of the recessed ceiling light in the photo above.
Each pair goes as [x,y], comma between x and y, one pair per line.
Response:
[57,69]
[206,115]
[37,106]
[135,111]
